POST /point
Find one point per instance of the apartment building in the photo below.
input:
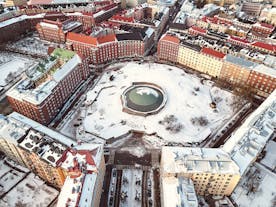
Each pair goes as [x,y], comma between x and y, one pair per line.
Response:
[210,62]
[212,170]
[247,142]
[108,47]
[56,31]
[188,54]
[46,86]
[168,47]
[78,169]
[262,79]
[236,70]
[33,146]
[200,54]
[86,168]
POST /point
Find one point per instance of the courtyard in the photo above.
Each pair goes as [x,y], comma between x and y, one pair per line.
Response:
[193,109]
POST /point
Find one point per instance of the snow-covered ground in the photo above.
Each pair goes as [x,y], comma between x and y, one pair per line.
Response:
[256,189]
[132,187]
[32,191]
[187,108]
[14,64]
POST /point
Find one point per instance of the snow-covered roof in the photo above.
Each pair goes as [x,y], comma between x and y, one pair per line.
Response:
[261,68]
[71,191]
[178,192]
[249,140]
[20,18]
[43,129]
[81,163]
[12,129]
[197,160]
[44,146]
[36,95]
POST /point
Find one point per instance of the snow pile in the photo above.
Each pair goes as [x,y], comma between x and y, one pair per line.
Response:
[187,98]
[146,90]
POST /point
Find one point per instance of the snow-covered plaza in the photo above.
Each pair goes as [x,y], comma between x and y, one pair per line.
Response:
[187,115]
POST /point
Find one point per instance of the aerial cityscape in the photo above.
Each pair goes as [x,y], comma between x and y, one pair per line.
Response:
[137,103]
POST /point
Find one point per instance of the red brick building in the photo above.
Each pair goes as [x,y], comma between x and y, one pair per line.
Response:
[48,85]
[56,31]
[262,79]
[110,46]
[168,48]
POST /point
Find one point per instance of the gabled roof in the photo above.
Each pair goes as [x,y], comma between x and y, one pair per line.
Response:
[82,38]
[239,39]
[265,46]
[198,29]
[129,36]
[107,38]
[170,38]
[212,52]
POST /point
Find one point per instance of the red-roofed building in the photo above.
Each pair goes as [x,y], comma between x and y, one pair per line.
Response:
[262,29]
[55,31]
[238,41]
[264,47]
[168,47]
[86,18]
[85,169]
[109,47]
[120,18]
[210,62]
[211,52]
[194,30]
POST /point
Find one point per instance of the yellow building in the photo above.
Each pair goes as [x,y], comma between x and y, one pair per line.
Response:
[212,170]
[34,149]
[188,55]
[210,62]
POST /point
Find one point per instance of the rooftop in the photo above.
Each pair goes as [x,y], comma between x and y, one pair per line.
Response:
[44,146]
[178,192]
[42,129]
[197,160]
[12,129]
[240,61]
[41,79]
[212,52]
[249,140]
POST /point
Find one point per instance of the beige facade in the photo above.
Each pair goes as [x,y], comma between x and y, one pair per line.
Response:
[187,56]
[12,151]
[212,171]
[234,74]
[214,183]
[209,65]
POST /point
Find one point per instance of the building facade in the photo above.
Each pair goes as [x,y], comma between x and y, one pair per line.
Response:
[48,85]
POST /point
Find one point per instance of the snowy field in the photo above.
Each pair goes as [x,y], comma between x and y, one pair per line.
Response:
[256,189]
[186,117]
[12,64]
[32,191]
[131,188]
